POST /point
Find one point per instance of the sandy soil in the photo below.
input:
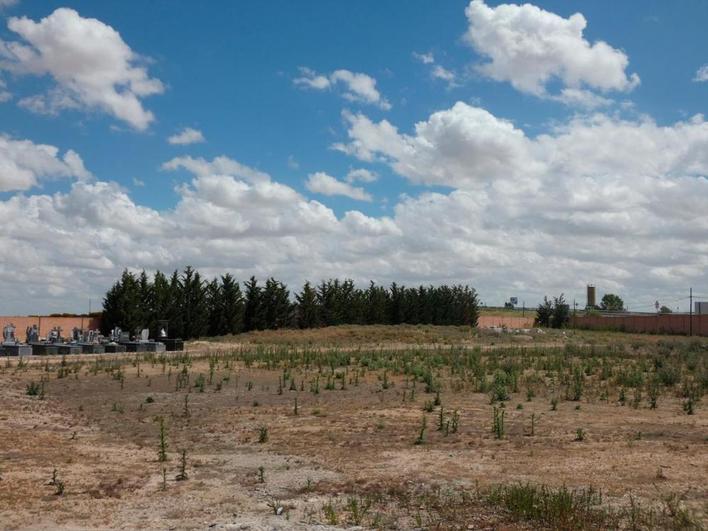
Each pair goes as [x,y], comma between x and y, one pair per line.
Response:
[102,438]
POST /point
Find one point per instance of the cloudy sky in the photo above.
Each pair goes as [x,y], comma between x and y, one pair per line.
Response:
[523,149]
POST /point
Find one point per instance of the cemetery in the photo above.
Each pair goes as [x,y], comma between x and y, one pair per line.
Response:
[84,341]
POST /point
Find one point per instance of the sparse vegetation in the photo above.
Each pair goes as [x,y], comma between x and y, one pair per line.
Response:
[498,423]
[369,400]
[33,389]
[263,434]
[421,433]
[162,446]
[57,483]
[182,476]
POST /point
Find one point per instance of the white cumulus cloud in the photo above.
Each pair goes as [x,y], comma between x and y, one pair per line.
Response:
[23,164]
[91,64]
[321,183]
[582,98]
[463,147]
[701,74]
[529,47]
[468,147]
[218,166]
[427,58]
[358,87]
[187,136]
[619,203]
[361,175]
[437,71]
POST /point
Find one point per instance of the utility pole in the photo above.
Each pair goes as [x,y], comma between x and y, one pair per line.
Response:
[690,311]
[575,309]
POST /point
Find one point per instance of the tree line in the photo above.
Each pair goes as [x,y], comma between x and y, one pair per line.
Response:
[555,312]
[196,307]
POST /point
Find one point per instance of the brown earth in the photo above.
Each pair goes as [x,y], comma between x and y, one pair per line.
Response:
[102,438]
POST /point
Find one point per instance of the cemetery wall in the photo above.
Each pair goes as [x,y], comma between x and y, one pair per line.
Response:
[46,323]
[67,324]
[508,321]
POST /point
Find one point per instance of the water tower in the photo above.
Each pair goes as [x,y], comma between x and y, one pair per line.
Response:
[592,301]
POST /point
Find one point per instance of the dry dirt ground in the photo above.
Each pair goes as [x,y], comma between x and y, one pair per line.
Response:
[348,457]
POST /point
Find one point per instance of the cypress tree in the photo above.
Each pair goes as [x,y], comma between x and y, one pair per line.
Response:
[111,309]
[194,304]
[145,310]
[395,305]
[232,306]
[425,304]
[162,299]
[252,308]
[327,301]
[376,304]
[214,308]
[307,308]
[275,304]
[123,303]
[175,313]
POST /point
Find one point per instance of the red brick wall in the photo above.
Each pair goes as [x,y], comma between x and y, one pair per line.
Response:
[68,323]
[45,324]
[649,324]
[488,321]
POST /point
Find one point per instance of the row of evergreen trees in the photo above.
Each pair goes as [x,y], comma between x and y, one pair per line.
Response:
[196,307]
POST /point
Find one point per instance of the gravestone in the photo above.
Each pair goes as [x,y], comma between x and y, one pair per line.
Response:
[10,346]
[171,344]
[8,334]
[40,348]
[54,335]
[55,338]
[89,341]
[151,346]
[132,346]
[113,347]
[32,334]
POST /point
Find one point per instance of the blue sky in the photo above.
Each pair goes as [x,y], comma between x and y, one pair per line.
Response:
[229,66]
[230,70]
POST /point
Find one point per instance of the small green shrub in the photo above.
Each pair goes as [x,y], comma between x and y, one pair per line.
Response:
[498,423]
[33,389]
[182,476]
[421,434]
